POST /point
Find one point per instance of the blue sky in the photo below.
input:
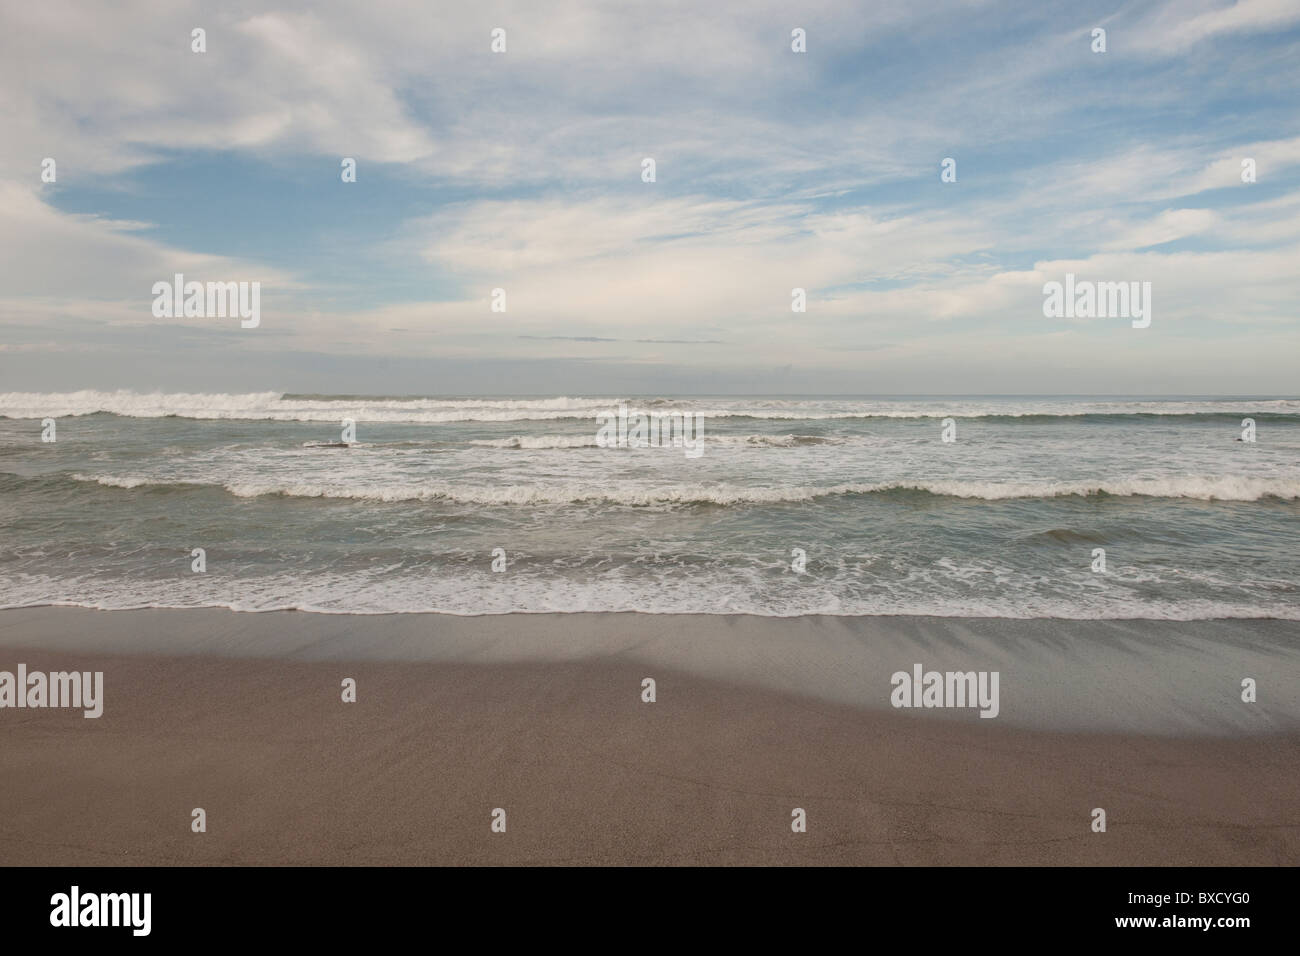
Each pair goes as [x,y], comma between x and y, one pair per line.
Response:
[774,170]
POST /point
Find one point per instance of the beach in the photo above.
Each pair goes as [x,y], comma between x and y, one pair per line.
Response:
[673,435]
[542,716]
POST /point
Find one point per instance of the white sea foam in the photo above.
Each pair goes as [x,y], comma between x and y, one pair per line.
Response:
[732,592]
[589,441]
[539,441]
[1222,488]
[275,406]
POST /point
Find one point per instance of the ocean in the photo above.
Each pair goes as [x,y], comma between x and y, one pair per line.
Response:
[793,505]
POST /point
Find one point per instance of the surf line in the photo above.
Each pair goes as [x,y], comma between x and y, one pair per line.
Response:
[75,689]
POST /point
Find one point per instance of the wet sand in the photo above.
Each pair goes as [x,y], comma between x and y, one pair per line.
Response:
[542,716]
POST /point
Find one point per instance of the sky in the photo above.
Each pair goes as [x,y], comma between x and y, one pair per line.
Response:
[523,170]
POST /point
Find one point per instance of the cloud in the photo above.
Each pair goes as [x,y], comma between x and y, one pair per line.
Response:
[48,255]
[1181,24]
[775,170]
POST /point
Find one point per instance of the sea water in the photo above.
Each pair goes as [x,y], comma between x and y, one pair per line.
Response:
[796,505]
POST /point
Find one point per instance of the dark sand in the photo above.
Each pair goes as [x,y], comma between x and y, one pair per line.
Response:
[587,773]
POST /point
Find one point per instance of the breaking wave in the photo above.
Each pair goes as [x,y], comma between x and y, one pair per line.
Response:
[277,406]
[1227,488]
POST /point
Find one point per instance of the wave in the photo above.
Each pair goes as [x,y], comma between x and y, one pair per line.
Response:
[772,441]
[539,441]
[939,590]
[589,441]
[276,406]
[1224,488]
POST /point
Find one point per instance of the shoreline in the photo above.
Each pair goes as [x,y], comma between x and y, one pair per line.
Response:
[1171,678]
[671,614]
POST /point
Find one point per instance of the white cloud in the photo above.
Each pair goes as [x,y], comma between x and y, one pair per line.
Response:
[56,257]
[1181,24]
[745,133]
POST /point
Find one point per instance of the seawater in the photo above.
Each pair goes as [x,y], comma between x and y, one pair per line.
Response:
[1002,522]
